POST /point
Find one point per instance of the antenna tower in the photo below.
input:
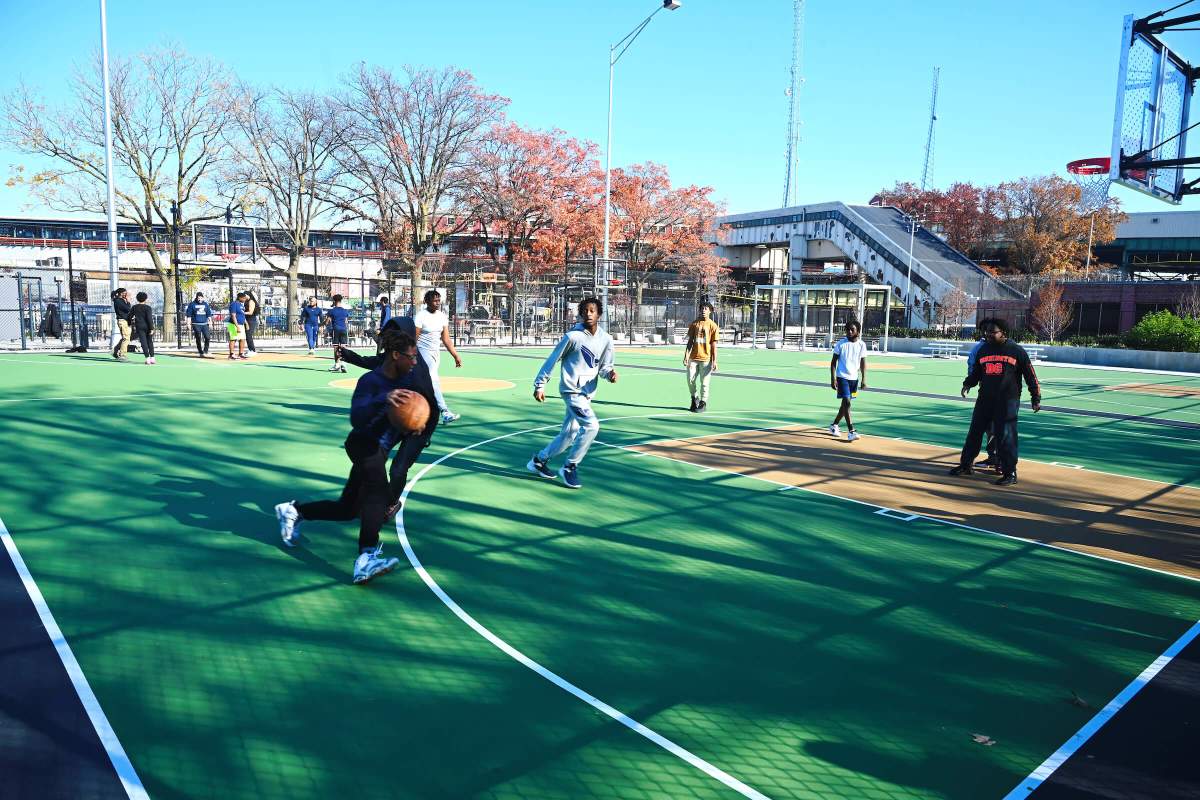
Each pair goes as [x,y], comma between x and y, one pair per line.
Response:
[937,72]
[791,177]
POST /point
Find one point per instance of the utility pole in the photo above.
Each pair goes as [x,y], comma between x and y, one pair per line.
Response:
[175,261]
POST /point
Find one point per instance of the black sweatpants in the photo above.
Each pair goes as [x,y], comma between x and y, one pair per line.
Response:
[200,332]
[999,418]
[369,490]
[146,339]
[251,327]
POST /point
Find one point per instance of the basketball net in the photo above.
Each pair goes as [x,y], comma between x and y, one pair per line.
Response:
[1091,175]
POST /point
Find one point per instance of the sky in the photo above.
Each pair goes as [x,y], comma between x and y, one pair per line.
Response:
[1026,85]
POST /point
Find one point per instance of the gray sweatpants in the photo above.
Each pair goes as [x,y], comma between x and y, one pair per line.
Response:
[579,429]
[432,360]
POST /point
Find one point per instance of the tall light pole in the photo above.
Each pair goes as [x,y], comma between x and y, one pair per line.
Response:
[615,52]
[113,267]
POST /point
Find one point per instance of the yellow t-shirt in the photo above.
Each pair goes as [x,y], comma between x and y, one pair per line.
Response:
[702,336]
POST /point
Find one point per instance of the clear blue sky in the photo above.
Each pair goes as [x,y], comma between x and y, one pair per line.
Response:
[1027,85]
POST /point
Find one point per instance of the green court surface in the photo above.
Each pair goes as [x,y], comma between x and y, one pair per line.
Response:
[800,644]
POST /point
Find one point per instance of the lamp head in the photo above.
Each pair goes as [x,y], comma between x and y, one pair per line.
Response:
[671,5]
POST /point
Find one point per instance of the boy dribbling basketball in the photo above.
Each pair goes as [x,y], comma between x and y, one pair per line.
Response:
[848,374]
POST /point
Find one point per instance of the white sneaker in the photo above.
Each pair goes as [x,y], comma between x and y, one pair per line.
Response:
[312,352]
[851,436]
[449,416]
[372,563]
[289,523]
[835,431]
[251,353]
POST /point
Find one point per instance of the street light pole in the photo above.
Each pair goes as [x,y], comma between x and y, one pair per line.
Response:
[614,55]
[908,282]
[175,259]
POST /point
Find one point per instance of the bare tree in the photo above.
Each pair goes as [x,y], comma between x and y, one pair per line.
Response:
[169,111]
[1189,301]
[1051,314]
[284,171]
[407,153]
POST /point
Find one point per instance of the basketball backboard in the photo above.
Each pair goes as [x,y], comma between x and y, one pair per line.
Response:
[1154,95]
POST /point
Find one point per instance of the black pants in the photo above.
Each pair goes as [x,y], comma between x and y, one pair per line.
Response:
[369,490]
[251,326]
[147,341]
[202,338]
[999,418]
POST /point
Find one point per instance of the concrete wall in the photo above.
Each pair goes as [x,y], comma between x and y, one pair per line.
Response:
[1094,356]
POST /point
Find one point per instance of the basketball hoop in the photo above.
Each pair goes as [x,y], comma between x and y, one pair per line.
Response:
[1092,175]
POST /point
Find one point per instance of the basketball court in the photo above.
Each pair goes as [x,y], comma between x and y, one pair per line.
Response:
[735,604]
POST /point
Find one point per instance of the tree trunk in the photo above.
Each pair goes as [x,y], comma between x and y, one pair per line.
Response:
[293,280]
[167,281]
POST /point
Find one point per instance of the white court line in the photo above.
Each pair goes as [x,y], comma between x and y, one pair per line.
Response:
[1065,464]
[892,513]
[108,737]
[517,655]
[1072,745]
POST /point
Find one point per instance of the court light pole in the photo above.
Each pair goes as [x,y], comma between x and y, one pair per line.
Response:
[615,51]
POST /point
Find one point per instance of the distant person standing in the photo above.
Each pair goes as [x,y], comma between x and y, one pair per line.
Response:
[433,331]
[143,326]
[848,374]
[999,367]
[252,311]
[385,311]
[338,317]
[310,319]
[236,327]
[700,356]
[199,312]
[121,310]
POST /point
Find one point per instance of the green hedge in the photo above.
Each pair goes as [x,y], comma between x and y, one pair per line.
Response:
[1163,330]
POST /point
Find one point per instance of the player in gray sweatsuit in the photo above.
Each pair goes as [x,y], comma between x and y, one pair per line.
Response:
[586,353]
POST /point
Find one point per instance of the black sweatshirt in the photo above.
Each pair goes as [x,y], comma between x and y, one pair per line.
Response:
[122,307]
[142,318]
[998,371]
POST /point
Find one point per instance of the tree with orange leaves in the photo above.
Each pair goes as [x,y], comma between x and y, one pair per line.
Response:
[657,226]
[1044,228]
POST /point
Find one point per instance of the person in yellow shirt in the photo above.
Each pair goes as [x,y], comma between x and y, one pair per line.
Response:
[700,356]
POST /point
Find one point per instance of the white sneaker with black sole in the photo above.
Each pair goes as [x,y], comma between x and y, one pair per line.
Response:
[449,416]
[835,431]
[289,523]
[372,564]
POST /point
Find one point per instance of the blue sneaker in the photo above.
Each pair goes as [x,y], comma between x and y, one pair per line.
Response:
[538,467]
[570,476]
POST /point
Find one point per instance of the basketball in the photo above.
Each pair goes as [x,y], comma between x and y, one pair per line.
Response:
[412,414]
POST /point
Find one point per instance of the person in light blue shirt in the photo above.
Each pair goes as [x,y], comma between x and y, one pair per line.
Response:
[310,319]
[586,354]
[200,314]
[337,318]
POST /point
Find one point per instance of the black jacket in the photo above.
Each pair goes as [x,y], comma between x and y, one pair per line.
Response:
[122,307]
[998,372]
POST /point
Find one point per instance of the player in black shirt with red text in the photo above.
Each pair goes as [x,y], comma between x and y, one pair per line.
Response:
[999,368]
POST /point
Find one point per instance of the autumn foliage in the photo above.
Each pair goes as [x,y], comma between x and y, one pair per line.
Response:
[1034,222]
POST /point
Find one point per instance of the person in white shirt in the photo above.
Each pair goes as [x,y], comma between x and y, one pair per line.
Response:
[848,374]
[433,331]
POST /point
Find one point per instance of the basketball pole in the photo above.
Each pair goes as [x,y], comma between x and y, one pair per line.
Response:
[113,266]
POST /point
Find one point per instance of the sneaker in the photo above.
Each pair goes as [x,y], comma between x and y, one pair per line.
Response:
[961,470]
[251,352]
[150,361]
[371,564]
[693,406]
[342,369]
[538,467]
[243,355]
[312,352]
[701,407]
[449,416]
[289,523]
[850,437]
[570,476]
[835,431]
[336,368]
[232,357]
[1006,480]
